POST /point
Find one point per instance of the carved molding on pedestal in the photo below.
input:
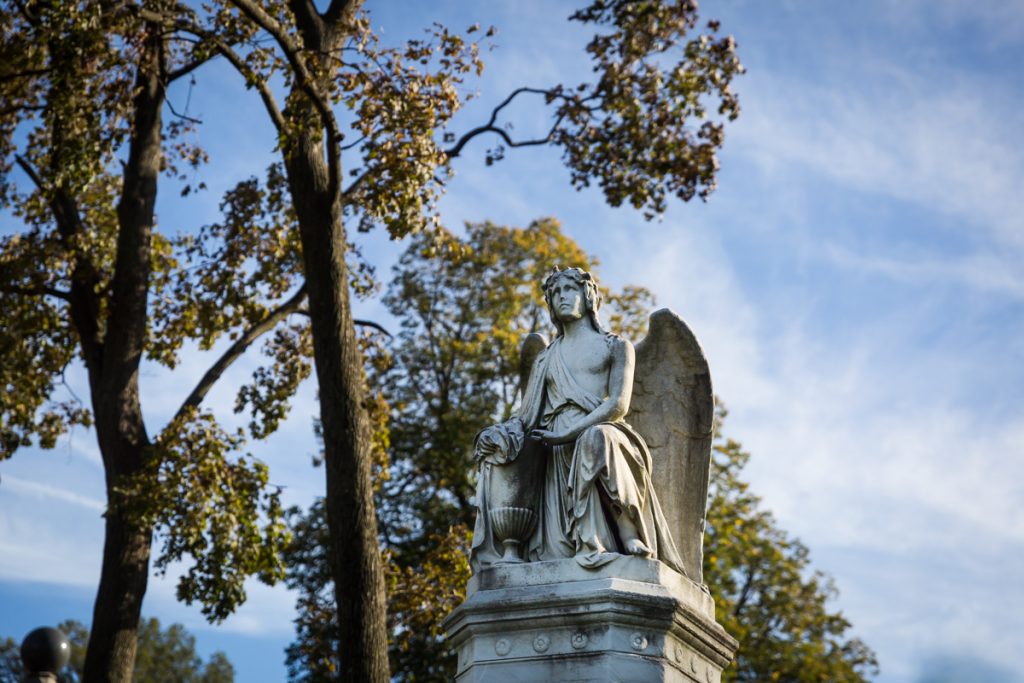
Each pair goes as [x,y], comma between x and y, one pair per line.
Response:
[632,620]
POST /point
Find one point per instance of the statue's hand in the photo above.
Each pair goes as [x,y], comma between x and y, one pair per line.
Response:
[485,450]
[549,437]
[499,443]
[486,447]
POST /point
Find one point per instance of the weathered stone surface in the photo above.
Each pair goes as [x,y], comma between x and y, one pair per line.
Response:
[587,551]
[630,620]
[571,456]
[673,408]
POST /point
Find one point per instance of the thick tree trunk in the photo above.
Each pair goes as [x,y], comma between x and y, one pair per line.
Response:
[115,618]
[356,561]
[114,383]
[313,179]
[110,657]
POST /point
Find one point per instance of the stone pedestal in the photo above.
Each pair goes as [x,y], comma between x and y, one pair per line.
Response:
[633,620]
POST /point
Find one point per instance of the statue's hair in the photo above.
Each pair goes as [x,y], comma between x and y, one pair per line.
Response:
[591,294]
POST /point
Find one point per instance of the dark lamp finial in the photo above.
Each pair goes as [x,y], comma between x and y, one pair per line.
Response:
[45,650]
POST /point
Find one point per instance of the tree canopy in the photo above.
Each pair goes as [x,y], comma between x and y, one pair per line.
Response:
[630,131]
[91,278]
[452,369]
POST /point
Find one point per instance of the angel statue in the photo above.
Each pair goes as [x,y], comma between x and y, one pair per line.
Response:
[567,476]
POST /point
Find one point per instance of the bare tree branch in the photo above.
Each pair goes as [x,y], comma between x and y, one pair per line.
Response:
[490,126]
[21,107]
[235,351]
[292,52]
[308,20]
[40,290]
[185,117]
[748,584]
[514,94]
[357,322]
[370,323]
[182,20]
[269,102]
[354,185]
[30,171]
[352,144]
[21,74]
[225,49]
[186,69]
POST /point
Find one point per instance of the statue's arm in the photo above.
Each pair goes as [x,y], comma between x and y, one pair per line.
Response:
[615,407]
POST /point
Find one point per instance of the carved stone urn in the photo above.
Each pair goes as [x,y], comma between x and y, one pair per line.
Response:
[514,499]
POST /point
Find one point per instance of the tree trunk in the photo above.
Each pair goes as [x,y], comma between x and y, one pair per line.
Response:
[115,618]
[114,384]
[313,179]
[357,567]
[110,656]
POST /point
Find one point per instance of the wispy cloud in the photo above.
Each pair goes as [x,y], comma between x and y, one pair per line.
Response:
[1002,23]
[266,611]
[48,545]
[939,141]
[47,492]
[834,426]
[986,271]
[867,444]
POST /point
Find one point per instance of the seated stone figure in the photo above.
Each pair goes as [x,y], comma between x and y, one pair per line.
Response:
[567,477]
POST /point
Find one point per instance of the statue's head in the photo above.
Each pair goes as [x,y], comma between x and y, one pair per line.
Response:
[588,289]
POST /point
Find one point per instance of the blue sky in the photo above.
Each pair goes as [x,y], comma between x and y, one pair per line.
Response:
[855,281]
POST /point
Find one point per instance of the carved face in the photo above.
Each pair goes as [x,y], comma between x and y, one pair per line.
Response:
[567,299]
[558,284]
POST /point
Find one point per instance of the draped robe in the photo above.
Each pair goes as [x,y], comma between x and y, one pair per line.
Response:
[587,482]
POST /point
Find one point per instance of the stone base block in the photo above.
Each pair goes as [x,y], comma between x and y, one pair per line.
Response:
[633,620]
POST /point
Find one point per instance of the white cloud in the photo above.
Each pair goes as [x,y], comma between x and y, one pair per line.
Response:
[46,493]
[868,444]
[1000,22]
[930,605]
[690,273]
[941,141]
[267,611]
[49,540]
[833,427]
[986,271]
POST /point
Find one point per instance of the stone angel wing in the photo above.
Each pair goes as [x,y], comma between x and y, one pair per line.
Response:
[531,347]
[673,408]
